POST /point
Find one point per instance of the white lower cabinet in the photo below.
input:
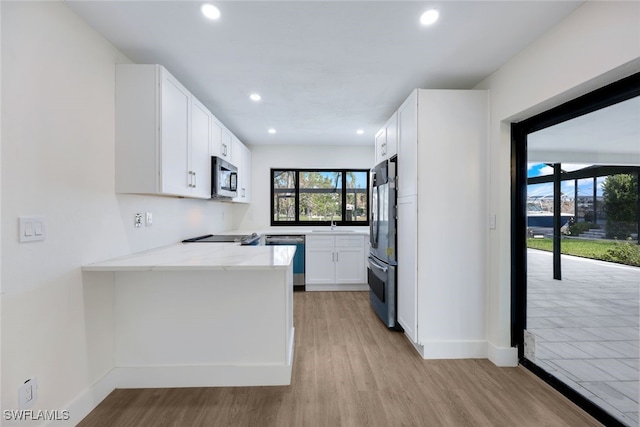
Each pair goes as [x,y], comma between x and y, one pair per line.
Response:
[319,260]
[335,262]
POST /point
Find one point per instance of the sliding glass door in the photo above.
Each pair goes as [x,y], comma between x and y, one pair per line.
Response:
[576,258]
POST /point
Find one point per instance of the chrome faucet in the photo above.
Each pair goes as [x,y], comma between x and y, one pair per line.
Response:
[333,224]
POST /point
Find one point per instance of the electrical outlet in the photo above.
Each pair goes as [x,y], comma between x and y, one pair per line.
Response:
[27,393]
[137,221]
[149,219]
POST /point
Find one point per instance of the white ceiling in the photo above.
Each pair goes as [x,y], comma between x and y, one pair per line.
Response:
[324,68]
[610,135]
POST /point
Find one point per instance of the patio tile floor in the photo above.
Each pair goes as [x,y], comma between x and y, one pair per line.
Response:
[586,328]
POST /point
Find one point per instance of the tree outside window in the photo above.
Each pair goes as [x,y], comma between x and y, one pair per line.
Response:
[320,197]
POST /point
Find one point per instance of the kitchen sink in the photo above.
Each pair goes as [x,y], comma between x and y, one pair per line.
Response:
[331,231]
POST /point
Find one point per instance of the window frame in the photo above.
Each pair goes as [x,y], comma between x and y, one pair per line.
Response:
[343,198]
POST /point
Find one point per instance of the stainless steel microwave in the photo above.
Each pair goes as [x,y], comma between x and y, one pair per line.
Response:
[224,179]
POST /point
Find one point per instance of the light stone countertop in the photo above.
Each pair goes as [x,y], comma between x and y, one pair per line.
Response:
[200,256]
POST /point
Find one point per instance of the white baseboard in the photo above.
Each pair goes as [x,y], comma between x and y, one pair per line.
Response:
[454,350]
[502,356]
[176,376]
[499,356]
[87,401]
[337,287]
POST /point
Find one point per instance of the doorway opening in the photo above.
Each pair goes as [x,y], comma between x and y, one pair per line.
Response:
[575,248]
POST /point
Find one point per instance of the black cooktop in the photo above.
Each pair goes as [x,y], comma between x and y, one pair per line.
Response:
[244,239]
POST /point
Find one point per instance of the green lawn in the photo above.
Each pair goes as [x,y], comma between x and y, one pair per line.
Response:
[584,248]
[594,249]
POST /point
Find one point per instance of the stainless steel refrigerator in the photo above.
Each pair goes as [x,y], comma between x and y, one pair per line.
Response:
[382,266]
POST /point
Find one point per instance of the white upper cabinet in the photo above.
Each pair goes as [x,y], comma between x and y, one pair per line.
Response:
[200,152]
[381,145]
[222,141]
[162,135]
[165,137]
[216,137]
[386,140]
[391,132]
[173,141]
[242,159]
[408,146]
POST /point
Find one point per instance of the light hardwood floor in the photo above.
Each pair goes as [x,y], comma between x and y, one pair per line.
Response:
[349,370]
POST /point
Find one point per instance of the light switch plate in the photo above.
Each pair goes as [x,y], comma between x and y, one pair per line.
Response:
[492,221]
[31,228]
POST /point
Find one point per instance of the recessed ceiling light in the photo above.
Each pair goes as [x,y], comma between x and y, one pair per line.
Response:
[255,97]
[359,131]
[429,17]
[210,11]
[271,131]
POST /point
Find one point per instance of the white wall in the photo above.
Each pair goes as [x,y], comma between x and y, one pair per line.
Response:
[58,162]
[1,234]
[597,44]
[256,216]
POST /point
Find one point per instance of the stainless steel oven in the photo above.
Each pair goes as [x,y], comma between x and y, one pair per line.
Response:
[382,291]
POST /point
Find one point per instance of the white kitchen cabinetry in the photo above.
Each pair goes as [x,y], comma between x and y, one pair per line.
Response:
[386,139]
[160,141]
[407,146]
[216,137]
[227,146]
[221,141]
[319,260]
[200,153]
[335,262]
[381,144]
[242,157]
[441,222]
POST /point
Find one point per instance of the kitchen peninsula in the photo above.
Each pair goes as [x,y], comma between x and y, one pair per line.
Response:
[195,315]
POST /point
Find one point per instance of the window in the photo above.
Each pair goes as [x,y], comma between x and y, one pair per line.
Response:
[319,196]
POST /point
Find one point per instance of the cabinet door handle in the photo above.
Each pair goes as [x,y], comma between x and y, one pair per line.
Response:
[195,181]
[333,257]
[190,179]
[337,256]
